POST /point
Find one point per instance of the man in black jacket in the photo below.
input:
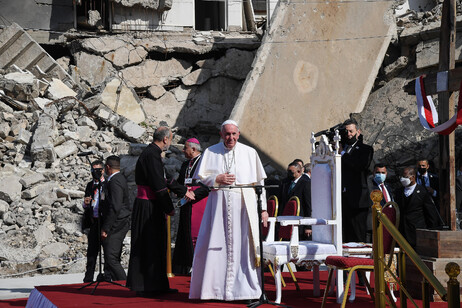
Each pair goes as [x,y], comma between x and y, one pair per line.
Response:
[356,158]
[116,219]
[91,203]
[297,185]
[416,207]
[378,182]
[147,270]
[428,180]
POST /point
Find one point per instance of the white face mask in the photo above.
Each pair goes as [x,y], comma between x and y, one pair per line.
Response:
[405,181]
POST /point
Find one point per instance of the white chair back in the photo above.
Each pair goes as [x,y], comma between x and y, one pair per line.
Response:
[326,201]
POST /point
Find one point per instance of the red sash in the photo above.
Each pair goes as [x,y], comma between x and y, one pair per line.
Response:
[145,193]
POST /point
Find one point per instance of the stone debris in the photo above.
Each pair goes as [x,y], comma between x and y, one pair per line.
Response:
[127,85]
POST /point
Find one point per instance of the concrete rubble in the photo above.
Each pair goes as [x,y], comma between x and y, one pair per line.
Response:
[120,88]
[120,92]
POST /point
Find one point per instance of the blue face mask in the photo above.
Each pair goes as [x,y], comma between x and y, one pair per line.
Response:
[380,177]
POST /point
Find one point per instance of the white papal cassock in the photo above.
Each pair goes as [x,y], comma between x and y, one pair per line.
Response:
[224,265]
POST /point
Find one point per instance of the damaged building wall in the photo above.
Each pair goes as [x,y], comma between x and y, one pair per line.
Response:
[55,15]
[316,65]
[122,15]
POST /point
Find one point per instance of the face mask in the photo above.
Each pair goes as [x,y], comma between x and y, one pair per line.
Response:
[380,177]
[422,170]
[290,175]
[351,141]
[96,173]
[405,181]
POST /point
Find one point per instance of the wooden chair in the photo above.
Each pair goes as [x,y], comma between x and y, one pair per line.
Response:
[326,220]
[361,264]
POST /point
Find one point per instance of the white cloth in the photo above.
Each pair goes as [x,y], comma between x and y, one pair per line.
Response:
[409,190]
[224,266]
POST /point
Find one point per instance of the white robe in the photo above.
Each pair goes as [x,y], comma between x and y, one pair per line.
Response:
[224,266]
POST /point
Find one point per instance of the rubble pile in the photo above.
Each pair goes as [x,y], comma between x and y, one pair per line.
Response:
[121,93]
[126,85]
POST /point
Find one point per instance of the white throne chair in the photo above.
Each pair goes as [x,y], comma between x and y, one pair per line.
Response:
[326,220]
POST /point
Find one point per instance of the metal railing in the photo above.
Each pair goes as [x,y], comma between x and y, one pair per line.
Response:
[451,295]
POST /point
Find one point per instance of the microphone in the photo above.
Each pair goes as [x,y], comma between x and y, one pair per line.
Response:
[85,153]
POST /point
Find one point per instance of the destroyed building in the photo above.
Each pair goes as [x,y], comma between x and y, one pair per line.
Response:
[101,75]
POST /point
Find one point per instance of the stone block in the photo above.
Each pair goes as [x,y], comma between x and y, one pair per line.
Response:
[156,91]
[102,45]
[151,72]
[42,102]
[86,121]
[132,130]
[22,86]
[24,136]
[69,194]
[85,134]
[126,56]
[43,234]
[136,148]
[197,77]
[59,89]
[35,190]
[32,179]
[4,129]
[235,64]
[17,126]
[70,135]
[122,100]
[66,149]
[46,198]
[55,249]
[3,207]
[93,69]
[181,93]
[42,148]
[10,188]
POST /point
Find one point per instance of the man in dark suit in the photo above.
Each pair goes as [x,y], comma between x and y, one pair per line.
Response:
[147,270]
[91,203]
[356,158]
[378,182]
[428,180]
[116,219]
[300,186]
[416,207]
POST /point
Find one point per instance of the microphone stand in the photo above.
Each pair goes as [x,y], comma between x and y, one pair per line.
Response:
[258,190]
[101,277]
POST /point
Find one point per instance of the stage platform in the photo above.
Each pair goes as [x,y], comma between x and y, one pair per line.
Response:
[106,294]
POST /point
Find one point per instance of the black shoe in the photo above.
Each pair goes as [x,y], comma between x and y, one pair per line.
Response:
[87,280]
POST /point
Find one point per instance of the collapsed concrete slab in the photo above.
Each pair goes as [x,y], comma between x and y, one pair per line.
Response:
[123,100]
[18,48]
[316,65]
[42,148]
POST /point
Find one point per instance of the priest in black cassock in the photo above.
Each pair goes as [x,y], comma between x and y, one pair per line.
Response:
[191,212]
[147,273]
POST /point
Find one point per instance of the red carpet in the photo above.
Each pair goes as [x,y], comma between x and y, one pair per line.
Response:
[110,295]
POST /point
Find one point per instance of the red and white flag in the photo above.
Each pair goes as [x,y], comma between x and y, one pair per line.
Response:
[429,116]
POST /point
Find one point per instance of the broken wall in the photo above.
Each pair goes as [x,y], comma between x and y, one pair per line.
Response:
[316,65]
[55,15]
